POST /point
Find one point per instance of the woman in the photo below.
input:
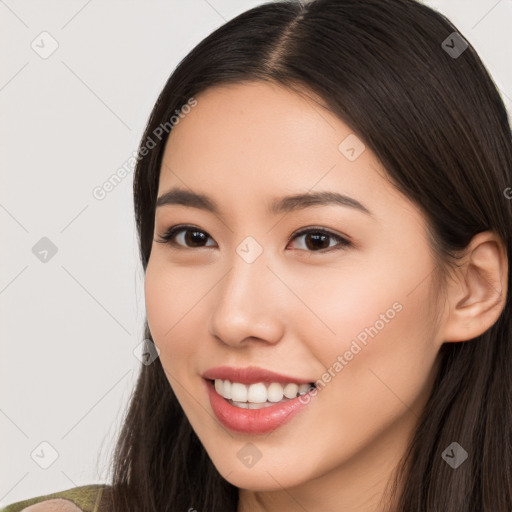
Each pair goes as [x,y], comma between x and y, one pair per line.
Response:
[324,224]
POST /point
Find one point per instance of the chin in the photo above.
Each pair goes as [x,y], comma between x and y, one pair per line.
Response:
[254,479]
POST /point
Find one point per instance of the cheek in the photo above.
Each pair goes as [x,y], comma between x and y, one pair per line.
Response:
[352,303]
[386,345]
[157,297]
[385,298]
[167,302]
[175,307]
[166,316]
[380,331]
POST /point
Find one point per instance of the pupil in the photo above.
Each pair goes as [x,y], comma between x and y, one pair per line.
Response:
[191,237]
[317,237]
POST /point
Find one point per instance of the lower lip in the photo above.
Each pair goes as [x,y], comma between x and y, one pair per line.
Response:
[254,421]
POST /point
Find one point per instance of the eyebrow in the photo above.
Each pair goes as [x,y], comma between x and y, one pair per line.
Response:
[178,196]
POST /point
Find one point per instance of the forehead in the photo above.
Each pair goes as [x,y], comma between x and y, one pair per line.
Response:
[243,116]
[262,139]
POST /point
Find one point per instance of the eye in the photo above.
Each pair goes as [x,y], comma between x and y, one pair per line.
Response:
[316,239]
[192,235]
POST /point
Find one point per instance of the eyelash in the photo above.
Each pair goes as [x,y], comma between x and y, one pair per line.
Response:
[173,230]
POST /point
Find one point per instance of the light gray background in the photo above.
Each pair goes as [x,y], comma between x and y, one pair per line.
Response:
[68,122]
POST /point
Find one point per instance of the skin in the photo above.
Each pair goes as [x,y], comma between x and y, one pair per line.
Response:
[53,505]
[296,308]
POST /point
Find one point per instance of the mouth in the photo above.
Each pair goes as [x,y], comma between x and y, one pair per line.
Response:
[259,395]
[257,408]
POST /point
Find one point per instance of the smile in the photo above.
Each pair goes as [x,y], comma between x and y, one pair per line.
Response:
[256,417]
[259,395]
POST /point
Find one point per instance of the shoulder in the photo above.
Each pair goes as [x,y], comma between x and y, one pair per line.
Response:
[54,505]
[86,498]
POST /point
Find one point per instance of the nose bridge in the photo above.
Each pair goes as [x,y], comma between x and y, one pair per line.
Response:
[244,305]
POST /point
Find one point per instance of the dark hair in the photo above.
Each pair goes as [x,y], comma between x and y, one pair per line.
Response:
[437,123]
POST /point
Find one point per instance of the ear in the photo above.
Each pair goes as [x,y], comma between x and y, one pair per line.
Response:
[477,295]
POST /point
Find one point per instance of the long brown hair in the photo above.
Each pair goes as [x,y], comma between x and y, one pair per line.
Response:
[435,120]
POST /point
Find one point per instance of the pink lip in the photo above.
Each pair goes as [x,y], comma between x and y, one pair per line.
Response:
[253,421]
[250,375]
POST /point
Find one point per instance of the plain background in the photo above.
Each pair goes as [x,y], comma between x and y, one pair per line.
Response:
[70,324]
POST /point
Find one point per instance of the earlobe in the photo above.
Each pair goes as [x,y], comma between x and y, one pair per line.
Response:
[477,296]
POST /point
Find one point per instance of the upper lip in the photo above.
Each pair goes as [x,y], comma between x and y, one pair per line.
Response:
[250,375]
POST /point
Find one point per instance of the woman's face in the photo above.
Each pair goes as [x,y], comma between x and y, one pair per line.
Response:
[241,287]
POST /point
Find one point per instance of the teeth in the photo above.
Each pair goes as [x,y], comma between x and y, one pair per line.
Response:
[275,392]
[304,388]
[238,392]
[290,390]
[258,395]
[226,389]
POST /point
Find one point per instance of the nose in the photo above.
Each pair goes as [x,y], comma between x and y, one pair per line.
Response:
[249,304]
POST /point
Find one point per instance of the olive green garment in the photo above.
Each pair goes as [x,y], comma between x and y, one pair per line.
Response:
[87,497]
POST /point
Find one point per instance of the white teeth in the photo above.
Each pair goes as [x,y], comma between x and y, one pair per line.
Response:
[258,395]
[275,392]
[290,390]
[226,389]
[238,392]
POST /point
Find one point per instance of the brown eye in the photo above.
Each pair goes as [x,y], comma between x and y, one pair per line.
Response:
[315,239]
[318,240]
[192,237]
